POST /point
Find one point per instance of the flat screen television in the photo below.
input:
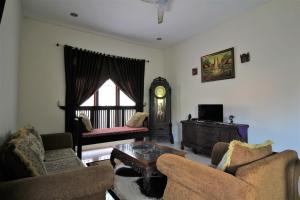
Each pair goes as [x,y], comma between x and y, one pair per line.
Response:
[210,112]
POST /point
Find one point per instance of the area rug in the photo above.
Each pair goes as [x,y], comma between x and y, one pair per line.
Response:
[128,184]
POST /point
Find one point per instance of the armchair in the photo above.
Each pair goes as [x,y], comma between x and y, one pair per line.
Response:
[271,178]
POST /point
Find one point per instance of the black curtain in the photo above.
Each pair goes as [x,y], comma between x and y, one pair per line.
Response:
[129,75]
[86,71]
[2,3]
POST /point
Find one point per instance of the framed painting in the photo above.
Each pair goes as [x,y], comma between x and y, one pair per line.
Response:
[218,66]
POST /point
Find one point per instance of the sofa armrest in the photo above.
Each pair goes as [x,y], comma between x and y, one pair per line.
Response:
[57,141]
[74,184]
[273,169]
[293,174]
[218,152]
[200,180]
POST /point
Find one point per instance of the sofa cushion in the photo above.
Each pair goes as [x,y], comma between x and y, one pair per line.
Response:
[62,165]
[26,148]
[137,119]
[240,153]
[58,154]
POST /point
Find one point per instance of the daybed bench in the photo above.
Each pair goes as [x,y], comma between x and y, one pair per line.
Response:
[102,135]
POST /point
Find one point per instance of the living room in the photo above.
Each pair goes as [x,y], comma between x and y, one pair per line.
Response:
[264,93]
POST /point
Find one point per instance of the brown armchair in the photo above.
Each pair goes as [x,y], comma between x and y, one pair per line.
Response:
[274,177]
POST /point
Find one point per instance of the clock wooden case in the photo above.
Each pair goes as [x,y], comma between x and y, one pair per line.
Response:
[160,110]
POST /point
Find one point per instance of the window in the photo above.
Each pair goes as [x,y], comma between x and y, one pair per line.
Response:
[109,94]
[125,100]
[89,102]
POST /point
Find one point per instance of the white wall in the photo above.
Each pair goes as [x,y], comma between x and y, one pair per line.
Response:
[266,91]
[9,64]
[42,76]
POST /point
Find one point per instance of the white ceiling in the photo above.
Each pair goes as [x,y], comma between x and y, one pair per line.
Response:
[136,20]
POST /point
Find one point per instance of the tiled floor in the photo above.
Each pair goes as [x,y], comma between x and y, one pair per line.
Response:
[103,151]
[189,154]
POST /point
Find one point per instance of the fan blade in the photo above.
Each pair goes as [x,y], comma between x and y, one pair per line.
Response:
[151,1]
[162,5]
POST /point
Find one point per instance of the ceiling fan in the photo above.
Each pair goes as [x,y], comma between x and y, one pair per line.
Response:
[161,8]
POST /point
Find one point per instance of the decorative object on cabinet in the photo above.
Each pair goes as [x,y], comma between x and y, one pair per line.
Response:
[194,71]
[201,136]
[160,110]
[231,117]
[218,66]
[245,57]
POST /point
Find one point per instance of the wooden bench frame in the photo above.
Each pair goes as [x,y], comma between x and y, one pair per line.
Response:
[116,136]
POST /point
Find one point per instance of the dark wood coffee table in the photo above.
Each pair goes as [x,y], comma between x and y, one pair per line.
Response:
[142,156]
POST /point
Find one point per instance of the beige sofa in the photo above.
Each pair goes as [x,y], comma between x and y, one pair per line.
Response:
[272,178]
[66,176]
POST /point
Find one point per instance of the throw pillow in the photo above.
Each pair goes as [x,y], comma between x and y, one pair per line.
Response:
[133,120]
[11,165]
[240,153]
[38,140]
[28,152]
[86,121]
[19,133]
[137,119]
[144,115]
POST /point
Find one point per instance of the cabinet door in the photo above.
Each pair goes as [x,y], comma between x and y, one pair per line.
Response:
[206,136]
[188,133]
[228,134]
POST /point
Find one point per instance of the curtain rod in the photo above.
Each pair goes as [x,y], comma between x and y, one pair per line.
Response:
[147,61]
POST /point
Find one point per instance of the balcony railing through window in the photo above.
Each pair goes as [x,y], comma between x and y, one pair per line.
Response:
[107,116]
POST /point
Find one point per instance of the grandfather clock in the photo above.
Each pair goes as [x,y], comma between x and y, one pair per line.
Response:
[160,110]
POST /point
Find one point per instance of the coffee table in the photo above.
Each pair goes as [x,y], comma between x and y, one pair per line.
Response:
[142,157]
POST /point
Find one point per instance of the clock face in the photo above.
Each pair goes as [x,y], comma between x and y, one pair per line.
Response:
[160,91]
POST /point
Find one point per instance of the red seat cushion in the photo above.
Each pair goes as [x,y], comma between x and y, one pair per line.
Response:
[114,131]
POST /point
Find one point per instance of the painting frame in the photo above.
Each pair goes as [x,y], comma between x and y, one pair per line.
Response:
[221,68]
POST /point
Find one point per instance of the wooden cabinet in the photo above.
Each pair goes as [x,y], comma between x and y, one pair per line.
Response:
[201,136]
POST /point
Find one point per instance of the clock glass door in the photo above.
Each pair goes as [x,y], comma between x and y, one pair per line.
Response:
[160,103]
